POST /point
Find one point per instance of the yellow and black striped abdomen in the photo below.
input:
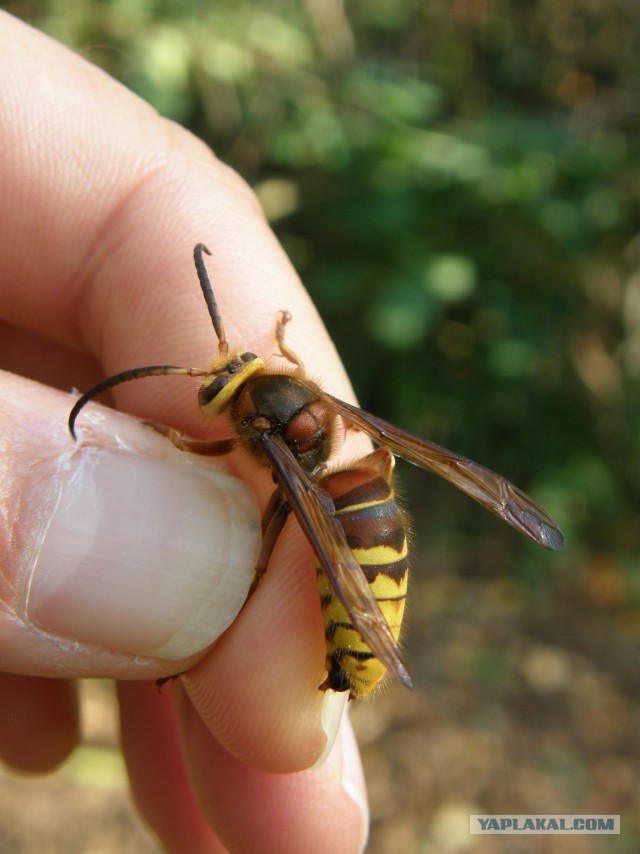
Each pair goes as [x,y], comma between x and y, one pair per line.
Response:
[374,526]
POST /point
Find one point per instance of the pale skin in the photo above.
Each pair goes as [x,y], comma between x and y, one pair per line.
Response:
[106,202]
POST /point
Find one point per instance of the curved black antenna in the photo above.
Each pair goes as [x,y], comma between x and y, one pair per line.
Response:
[162,370]
[123,377]
[207,290]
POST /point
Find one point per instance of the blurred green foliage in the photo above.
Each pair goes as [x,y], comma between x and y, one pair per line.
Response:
[457,184]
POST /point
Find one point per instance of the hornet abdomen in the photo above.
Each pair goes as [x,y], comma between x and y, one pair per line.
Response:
[374,527]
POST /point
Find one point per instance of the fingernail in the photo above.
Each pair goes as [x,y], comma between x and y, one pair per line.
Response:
[333,706]
[143,555]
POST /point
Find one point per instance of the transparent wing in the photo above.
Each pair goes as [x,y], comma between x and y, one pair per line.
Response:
[489,489]
[342,571]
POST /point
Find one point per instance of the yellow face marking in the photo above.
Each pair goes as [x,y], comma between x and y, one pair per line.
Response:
[216,405]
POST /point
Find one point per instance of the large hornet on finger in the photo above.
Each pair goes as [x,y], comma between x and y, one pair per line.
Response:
[349,515]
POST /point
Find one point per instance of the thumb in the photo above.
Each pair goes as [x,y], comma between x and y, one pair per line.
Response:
[121,556]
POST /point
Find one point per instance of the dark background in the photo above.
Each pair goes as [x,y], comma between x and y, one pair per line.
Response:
[457,185]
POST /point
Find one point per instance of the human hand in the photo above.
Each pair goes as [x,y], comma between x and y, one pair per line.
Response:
[102,203]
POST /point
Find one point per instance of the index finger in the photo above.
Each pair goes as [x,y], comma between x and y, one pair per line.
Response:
[95,255]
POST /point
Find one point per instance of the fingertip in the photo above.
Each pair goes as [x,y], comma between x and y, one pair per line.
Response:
[252,810]
[121,555]
[157,772]
[257,690]
[39,722]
